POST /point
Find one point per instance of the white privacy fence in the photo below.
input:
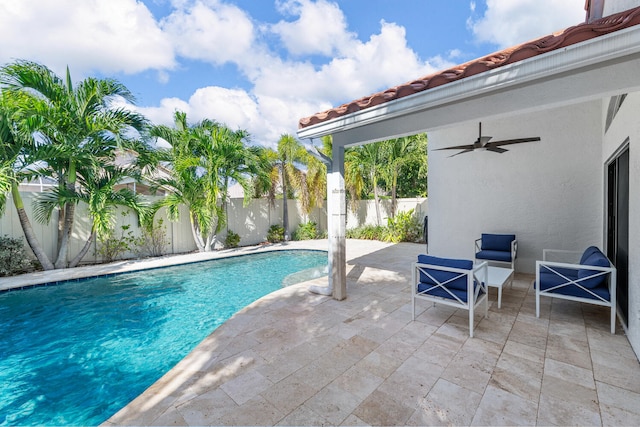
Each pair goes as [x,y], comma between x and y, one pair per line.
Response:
[250,222]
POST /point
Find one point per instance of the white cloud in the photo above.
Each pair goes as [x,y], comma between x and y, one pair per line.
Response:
[365,67]
[88,35]
[321,28]
[508,23]
[212,32]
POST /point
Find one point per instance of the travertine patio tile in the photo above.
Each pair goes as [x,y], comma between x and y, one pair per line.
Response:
[569,349]
[289,393]
[569,373]
[207,408]
[256,412]
[534,335]
[555,411]
[532,354]
[334,403]
[616,370]
[469,371]
[303,416]
[501,408]
[170,418]
[616,397]
[612,416]
[352,420]
[606,342]
[567,403]
[358,382]
[378,364]
[381,409]
[446,404]
[396,349]
[573,327]
[246,386]
[518,376]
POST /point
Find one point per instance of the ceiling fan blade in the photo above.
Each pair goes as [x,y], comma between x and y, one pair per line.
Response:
[458,147]
[468,150]
[496,149]
[512,141]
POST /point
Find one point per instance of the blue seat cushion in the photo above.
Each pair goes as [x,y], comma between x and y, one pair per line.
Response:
[442,276]
[572,290]
[596,259]
[494,255]
[497,242]
[431,289]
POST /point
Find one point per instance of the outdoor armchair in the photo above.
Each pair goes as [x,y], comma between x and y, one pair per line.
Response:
[497,248]
[454,282]
[592,280]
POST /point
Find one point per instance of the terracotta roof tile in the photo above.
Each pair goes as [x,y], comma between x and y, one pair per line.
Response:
[567,37]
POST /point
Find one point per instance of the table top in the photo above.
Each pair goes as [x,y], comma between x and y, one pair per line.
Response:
[498,275]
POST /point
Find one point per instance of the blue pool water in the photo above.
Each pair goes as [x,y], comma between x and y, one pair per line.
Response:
[77,352]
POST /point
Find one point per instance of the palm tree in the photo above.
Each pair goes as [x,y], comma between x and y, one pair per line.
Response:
[204,157]
[77,124]
[16,157]
[285,170]
[365,162]
[399,153]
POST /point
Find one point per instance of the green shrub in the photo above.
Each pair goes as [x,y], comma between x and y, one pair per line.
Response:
[306,231]
[153,241]
[366,232]
[232,240]
[275,234]
[13,257]
[405,227]
[112,246]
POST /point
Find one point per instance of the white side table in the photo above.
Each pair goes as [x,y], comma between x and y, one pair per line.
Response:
[498,276]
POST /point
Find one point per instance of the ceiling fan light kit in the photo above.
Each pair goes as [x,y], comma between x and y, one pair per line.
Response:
[483,142]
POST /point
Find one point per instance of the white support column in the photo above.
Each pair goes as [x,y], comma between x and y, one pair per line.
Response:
[337,212]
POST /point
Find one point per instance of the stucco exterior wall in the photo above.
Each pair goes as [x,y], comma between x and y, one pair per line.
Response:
[626,125]
[549,193]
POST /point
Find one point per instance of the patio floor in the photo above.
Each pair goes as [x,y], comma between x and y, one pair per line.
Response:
[295,358]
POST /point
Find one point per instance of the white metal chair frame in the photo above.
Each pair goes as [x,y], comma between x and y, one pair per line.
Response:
[514,254]
[553,267]
[479,275]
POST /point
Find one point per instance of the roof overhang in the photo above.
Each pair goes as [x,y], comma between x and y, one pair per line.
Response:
[596,68]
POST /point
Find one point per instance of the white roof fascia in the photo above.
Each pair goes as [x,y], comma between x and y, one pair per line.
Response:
[601,49]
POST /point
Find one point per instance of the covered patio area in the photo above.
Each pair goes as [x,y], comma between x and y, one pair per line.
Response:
[297,358]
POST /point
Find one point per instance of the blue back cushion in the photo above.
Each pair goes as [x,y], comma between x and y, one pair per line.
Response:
[443,276]
[497,242]
[596,259]
[588,252]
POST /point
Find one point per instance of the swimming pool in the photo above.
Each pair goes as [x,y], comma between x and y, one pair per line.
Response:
[75,353]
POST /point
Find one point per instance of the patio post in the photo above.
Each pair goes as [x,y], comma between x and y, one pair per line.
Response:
[337,211]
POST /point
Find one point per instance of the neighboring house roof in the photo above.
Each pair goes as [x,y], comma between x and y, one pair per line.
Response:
[559,40]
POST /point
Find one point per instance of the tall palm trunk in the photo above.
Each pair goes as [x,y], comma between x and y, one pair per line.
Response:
[376,199]
[195,230]
[74,262]
[61,261]
[69,216]
[285,207]
[27,229]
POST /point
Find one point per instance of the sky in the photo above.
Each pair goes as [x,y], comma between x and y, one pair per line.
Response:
[261,65]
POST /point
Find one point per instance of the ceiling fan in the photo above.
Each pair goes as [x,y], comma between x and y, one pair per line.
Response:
[483,142]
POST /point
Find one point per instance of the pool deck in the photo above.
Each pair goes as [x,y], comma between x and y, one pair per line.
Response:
[296,358]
